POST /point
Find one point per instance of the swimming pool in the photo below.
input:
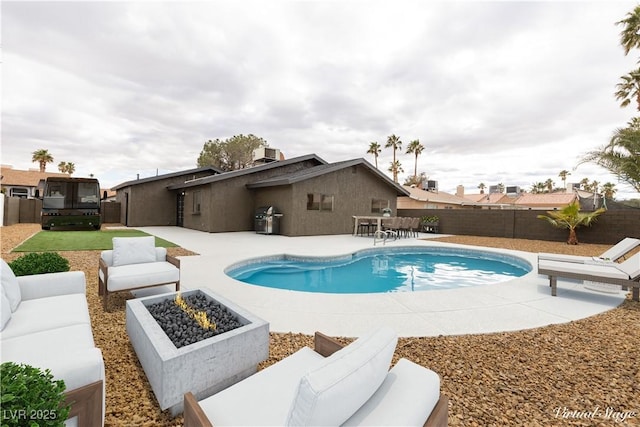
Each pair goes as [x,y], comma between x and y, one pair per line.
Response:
[378,270]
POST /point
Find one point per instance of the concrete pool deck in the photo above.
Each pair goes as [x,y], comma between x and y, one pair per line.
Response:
[521,303]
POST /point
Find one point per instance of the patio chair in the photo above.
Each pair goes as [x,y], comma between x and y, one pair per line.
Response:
[333,385]
[414,228]
[614,253]
[626,274]
[135,263]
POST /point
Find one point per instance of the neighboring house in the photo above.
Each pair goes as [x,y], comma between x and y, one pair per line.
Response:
[315,197]
[23,184]
[423,199]
[545,201]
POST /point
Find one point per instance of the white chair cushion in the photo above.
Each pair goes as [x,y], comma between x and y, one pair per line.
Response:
[133,250]
[139,275]
[10,285]
[5,310]
[263,399]
[334,391]
[406,398]
[47,313]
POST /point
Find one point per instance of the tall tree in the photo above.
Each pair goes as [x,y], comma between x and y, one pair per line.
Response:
[630,34]
[395,143]
[375,149]
[43,157]
[549,185]
[621,156]
[416,148]
[482,186]
[67,167]
[563,176]
[395,168]
[609,190]
[231,154]
[629,87]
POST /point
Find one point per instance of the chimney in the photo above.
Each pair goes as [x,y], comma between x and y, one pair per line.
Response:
[460,191]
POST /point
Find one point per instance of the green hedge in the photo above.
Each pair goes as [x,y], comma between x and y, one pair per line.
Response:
[39,263]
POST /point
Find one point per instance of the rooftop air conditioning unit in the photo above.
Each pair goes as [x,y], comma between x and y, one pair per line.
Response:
[266,155]
[513,189]
[430,185]
[494,189]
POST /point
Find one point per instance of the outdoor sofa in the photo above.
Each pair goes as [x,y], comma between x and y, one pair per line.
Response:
[46,324]
[333,385]
[135,263]
[625,274]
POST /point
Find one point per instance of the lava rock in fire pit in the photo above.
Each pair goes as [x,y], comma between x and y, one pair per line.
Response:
[182,329]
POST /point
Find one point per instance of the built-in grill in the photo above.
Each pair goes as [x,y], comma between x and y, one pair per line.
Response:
[267,220]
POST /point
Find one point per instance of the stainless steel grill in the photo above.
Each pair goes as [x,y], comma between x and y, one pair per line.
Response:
[267,220]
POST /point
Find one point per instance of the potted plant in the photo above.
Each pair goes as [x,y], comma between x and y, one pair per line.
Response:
[29,396]
[430,223]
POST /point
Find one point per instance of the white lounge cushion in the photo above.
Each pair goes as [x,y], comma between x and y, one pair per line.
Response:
[406,398]
[631,266]
[68,339]
[47,313]
[5,310]
[263,398]
[10,285]
[599,270]
[335,390]
[140,275]
[133,250]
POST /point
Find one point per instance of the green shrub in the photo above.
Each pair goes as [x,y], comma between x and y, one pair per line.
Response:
[39,263]
[30,396]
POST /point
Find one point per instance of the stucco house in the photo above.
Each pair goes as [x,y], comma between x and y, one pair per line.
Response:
[24,183]
[315,197]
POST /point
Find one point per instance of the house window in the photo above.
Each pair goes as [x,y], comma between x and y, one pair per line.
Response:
[378,204]
[319,202]
[197,200]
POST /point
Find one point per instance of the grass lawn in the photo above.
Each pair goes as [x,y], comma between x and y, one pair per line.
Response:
[47,241]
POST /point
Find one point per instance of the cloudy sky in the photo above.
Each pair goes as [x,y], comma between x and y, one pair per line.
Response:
[497,92]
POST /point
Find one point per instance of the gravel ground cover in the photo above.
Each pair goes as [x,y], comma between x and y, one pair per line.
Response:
[583,373]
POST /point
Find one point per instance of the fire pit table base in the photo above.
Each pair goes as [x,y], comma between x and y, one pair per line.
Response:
[203,368]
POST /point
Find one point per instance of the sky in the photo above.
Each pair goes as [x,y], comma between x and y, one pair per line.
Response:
[497,91]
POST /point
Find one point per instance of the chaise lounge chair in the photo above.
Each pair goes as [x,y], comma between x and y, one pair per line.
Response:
[626,274]
[617,251]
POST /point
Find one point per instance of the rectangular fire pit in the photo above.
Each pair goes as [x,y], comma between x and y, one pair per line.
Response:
[203,368]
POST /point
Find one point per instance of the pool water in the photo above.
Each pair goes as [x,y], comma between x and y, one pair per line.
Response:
[385,270]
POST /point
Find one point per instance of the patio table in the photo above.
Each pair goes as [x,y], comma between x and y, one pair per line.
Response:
[378,220]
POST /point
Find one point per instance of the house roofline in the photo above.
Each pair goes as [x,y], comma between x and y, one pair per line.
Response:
[240,172]
[167,175]
[317,171]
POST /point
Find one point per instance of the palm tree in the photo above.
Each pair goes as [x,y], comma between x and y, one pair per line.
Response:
[375,149]
[482,186]
[43,157]
[608,190]
[563,176]
[500,187]
[570,217]
[395,168]
[416,148]
[630,35]
[538,187]
[549,185]
[395,143]
[65,167]
[629,88]
[621,156]
[584,184]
